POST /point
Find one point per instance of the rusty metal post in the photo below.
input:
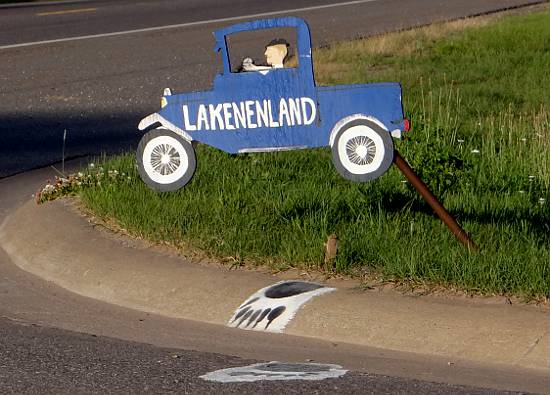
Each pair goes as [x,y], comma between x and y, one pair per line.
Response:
[441,212]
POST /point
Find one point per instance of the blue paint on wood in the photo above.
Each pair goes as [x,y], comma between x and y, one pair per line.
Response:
[279,108]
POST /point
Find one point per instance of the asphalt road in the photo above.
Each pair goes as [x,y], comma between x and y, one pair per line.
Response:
[97,89]
[61,362]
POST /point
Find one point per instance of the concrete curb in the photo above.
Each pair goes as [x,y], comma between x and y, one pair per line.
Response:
[55,243]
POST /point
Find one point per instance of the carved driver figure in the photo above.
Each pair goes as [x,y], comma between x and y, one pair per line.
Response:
[275,55]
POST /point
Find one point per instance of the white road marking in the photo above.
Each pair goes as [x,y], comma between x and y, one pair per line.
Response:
[197,23]
[275,371]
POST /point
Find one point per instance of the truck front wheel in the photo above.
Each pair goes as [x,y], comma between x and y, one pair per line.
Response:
[166,161]
[362,150]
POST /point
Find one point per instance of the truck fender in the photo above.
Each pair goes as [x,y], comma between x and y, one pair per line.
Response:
[156,118]
[395,133]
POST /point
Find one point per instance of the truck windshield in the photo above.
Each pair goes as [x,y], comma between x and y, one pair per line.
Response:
[262,49]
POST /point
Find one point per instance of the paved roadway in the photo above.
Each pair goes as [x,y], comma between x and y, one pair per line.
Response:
[97,89]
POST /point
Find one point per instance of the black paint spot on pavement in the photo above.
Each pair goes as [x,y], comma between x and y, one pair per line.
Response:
[277,311]
[293,367]
[253,317]
[290,288]
[249,302]
[244,317]
[240,313]
[261,317]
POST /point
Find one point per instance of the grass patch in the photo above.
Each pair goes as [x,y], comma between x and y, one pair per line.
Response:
[476,91]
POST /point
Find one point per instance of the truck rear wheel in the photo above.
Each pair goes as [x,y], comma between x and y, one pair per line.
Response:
[166,161]
[362,150]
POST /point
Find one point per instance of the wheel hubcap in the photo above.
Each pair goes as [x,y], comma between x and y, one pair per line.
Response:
[165,159]
[361,150]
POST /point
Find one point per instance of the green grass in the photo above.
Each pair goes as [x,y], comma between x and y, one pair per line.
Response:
[477,93]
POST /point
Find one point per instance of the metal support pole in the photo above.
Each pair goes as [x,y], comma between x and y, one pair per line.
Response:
[443,214]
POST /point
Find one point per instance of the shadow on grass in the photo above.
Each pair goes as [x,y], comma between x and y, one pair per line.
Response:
[396,202]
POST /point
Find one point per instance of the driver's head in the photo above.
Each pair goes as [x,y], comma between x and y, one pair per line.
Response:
[276,52]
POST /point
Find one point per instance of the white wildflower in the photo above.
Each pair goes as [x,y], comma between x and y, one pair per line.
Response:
[542,201]
[475,151]
[524,139]
[531,178]
[49,188]
[522,191]
[460,141]
[92,165]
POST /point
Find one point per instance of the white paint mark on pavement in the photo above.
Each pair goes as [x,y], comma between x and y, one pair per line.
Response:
[271,308]
[276,371]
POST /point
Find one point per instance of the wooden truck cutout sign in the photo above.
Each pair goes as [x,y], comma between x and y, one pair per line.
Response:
[272,109]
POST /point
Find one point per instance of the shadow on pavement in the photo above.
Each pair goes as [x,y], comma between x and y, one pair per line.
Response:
[30,142]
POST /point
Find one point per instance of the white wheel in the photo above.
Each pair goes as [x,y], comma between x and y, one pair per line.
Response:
[166,161]
[362,150]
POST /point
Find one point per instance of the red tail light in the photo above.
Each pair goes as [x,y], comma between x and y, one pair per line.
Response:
[407,124]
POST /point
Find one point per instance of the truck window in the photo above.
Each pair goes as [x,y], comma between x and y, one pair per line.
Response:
[255,47]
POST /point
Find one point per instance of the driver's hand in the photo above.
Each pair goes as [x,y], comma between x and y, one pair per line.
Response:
[248,64]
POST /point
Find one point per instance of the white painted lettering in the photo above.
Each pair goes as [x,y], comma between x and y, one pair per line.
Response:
[227,116]
[272,122]
[283,113]
[295,114]
[239,114]
[252,114]
[262,113]
[186,123]
[215,115]
[202,118]
[249,114]
[307,101]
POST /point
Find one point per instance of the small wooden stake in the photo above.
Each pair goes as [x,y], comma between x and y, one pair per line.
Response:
[441,212]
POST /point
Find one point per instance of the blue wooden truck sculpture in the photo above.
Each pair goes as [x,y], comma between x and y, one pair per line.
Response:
[272,109]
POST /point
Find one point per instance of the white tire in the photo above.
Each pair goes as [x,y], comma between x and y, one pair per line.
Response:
[362,150]
[166,161]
